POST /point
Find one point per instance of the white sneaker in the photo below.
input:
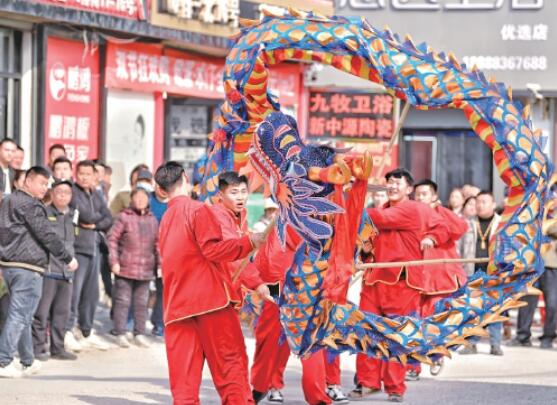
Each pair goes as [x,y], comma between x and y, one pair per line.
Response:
[122,341]
[141,341]
[94,342]
[71,343]
[275,396]
[10,371]
[337,395]
[33,369]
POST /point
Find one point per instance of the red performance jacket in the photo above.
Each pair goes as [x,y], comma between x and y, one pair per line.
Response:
[446,278]
[232,227]
[272,261]
[401,229]
[191,248]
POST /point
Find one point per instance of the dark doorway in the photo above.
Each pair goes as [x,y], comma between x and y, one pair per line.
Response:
[451,158]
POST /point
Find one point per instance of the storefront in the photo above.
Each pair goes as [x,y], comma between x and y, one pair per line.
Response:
[127,82]
[161,103]
[508,40]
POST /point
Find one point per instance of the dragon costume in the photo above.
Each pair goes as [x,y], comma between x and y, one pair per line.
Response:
[309,183]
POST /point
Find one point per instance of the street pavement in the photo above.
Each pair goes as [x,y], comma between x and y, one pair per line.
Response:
[139,376]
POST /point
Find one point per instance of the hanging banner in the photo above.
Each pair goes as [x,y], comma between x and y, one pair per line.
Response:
[150,68]
[117,8]
[72,99]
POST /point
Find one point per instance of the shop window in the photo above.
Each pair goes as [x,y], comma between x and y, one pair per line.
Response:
[10,83]
[450,158]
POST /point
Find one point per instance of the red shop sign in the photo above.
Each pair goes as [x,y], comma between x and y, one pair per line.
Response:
[150,68]
[118,8]
[72,98]
[354,116]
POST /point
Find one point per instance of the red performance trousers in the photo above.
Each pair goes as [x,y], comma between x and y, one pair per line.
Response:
[270,361]
[384,299]
[217,337]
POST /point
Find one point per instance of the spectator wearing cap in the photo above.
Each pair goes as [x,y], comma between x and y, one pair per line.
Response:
[94,220]
[27,238]
[134,260]
[145,180]
[54,307]
[122,200]
[271,208]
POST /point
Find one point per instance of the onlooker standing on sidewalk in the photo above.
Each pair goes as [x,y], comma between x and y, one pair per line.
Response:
[134,260]
[54,306]
[548,284]
[7,151]
[54,152]
[19,157]
[158,204]
[94,218]
[485,227]
[122,200]
[62,169]
[26,238]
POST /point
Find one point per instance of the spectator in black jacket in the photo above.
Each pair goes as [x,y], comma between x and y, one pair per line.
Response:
[26,239]
[94,220]
[54,306]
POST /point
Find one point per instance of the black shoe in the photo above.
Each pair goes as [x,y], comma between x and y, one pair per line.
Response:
[258,396]
[520,343]
[44,356]
[496,351]
[64,355]
[546,344]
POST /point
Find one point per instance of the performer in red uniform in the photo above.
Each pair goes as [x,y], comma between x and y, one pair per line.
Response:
[232,216]
[406,229]
[201,322]
[271,350]
[441,280]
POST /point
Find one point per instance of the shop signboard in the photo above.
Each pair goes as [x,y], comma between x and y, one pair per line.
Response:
[507,39]
[132,9]
[353,116]
[71,98]
[360,121]
[151,68]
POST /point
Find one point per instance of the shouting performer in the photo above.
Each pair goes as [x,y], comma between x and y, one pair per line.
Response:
[200,319]
[406,229]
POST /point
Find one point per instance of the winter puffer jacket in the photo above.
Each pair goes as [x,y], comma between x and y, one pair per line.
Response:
[133,244]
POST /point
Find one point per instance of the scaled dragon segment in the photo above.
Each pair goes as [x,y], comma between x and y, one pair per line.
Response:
[425,79]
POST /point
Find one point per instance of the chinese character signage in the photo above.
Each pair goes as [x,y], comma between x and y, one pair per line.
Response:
[353,116]
[118,8]
[72,98]
[150,68]
[508,39]
[224,12]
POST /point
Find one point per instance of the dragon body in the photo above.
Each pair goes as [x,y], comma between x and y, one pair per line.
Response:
[302,178]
